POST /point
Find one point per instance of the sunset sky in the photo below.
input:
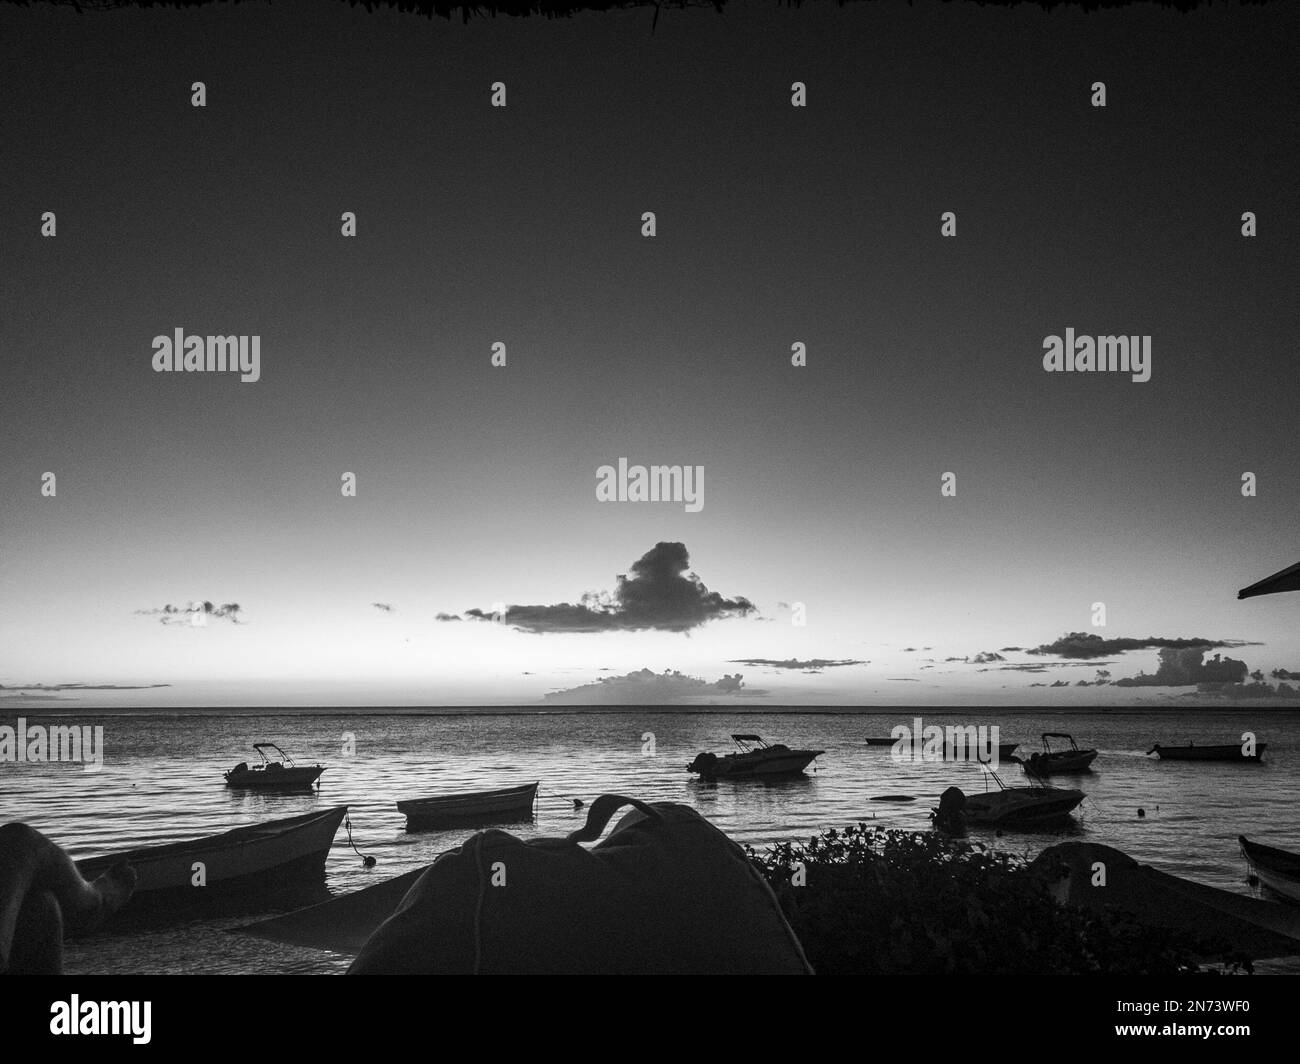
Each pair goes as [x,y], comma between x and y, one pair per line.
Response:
[476,485]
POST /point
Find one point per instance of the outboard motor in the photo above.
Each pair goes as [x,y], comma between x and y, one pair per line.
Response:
[703,763]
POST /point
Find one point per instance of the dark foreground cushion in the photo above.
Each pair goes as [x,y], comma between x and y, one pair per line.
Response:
[666,892]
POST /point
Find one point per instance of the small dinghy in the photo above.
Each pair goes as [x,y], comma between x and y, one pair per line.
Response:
[1279,870]
[504,805]
[273,775]
[754,757]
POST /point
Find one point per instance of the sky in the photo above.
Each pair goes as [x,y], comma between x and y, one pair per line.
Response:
[823,564]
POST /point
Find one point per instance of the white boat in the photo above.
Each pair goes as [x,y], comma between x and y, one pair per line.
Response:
[754,757]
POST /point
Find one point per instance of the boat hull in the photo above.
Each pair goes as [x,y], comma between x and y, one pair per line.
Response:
[274,779]
[1230,752]
[1279,870]
[759,763]
[1047,764]
[1022,805]
[506,804]
[259,857]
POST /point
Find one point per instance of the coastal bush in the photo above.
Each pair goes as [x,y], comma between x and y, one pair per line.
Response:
[865,901]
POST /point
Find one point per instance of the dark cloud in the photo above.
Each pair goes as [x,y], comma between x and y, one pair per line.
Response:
[909,650]
[986,656]
[1183,667]
[386,607]
[1284,674]
[646,687]
[811,665]
[660,593]
[1011,650]
[170,614]
[1089,645]
[448,617]
[903,679]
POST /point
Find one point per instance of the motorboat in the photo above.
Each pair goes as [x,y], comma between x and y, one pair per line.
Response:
[1005,806]
[271,774]
[1048,761]
[754,756]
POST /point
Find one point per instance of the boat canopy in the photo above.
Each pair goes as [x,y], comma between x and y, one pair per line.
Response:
[1286,580]
[748,738]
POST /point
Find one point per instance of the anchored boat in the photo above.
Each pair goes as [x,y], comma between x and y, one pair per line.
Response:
[953,751]
[1279,870]
[1192,752]
[754,756]
[1059,760]
[257,858]
[504,804]
[273,775]
[1006,806]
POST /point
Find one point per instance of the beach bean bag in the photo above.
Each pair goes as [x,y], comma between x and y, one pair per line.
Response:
[666,892]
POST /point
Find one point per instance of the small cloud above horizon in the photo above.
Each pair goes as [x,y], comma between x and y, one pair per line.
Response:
[1088,645]
[811,665]
[384,607]
[170,614]
[647,687]
[660,594]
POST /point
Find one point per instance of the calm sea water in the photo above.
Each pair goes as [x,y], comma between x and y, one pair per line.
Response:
[162,782]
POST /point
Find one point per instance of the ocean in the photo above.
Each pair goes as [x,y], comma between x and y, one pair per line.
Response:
[162,782]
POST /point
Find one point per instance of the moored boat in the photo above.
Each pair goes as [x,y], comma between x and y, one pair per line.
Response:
[1006,806]
[1279,870]
[1225,752]
[1048,761]
[953,751]
[754,757]
[273,775]
[258,858]
[503,804]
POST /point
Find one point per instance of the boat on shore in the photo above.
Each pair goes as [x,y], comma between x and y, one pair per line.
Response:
[1192,752]
[503,804]
[1050,761]
[273,775]
[1279,870]
[264,858]
[754,756]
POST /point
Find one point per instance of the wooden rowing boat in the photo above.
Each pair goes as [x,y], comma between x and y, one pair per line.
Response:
[257,858]
[504,804]
[1279,870]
